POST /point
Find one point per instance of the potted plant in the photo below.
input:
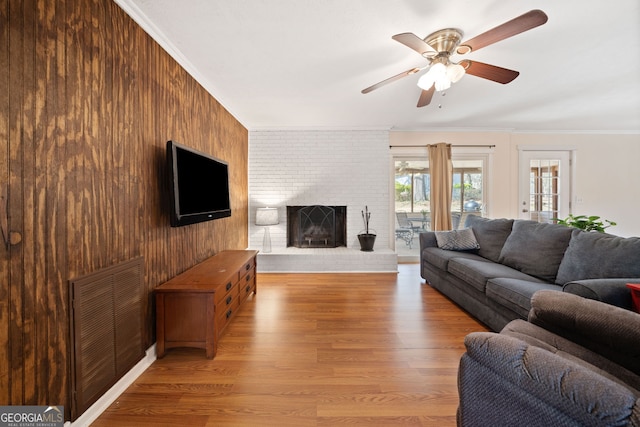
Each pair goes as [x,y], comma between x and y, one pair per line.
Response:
[366,239]
[586,223]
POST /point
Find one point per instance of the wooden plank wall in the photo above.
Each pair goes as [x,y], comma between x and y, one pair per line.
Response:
[88,102]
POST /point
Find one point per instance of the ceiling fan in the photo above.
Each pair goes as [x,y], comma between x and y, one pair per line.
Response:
[438,47]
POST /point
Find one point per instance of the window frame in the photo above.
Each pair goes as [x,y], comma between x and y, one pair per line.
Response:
[483,153]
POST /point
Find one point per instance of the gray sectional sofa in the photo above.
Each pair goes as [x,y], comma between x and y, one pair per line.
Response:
[515,258]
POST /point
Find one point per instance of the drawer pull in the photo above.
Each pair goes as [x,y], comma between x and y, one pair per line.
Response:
[247,267]
[229,313]
[248,277]
[229,285]
[248,288]
[229,298]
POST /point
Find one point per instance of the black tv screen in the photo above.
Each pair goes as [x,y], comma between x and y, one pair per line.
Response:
[199,186]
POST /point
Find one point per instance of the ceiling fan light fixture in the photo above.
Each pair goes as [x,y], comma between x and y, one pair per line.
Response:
[442,84]
[425,81]
[455,72]
[441,76]
[436,73]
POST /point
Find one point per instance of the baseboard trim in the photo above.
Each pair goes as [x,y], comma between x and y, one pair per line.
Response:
[101,405]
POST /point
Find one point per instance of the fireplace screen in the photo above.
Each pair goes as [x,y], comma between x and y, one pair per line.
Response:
[316,226]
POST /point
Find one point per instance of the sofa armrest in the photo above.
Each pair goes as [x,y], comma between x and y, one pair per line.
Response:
[610,331]
[610,291]
[427,240]
[503,378]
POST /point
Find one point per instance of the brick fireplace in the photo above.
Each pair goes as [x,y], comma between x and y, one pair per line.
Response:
[336,167]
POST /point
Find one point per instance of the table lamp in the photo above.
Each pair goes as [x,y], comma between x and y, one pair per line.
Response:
[266,217]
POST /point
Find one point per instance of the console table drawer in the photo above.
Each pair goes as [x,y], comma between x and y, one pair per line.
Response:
[228,306]
[223,291]
[226,313]
[247,286]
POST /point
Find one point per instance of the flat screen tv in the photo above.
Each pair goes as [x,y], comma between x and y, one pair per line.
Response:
[199,186]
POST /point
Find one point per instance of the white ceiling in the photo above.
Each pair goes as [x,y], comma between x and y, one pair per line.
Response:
[302,63]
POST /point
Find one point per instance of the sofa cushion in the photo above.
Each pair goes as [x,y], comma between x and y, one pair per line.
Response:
[515,294]
[490,234]
[457,240]
[609,291]
[536,248]
[608,330]
[440,257]
[593,255]
[476,273]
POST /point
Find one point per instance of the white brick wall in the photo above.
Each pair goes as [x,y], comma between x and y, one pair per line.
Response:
[305,167]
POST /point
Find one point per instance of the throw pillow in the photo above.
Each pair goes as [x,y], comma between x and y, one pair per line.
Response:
[536,248]
[457,240]
[593,255]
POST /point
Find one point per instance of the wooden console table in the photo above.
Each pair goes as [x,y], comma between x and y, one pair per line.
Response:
[193,308]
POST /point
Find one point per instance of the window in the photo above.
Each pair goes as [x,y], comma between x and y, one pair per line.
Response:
[412,197]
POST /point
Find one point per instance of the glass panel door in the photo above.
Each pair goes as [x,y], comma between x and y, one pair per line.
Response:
[411,204]
[412,199]
[467,191]
[544,185]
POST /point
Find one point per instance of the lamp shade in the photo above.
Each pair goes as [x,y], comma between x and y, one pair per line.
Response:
[425,82]
[455,72]
[267,216]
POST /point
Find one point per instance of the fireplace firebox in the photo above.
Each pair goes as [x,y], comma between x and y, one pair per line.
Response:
[316,226]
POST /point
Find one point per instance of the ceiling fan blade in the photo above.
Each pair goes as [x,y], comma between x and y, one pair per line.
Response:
[489,72]
[522,23]
[425,97]
[391,79]
[414,42]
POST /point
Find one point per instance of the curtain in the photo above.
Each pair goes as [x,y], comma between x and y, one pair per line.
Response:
[441,170]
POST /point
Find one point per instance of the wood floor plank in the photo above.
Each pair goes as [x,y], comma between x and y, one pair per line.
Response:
[315,350]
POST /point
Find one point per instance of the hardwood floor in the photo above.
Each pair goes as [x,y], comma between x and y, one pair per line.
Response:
[315,350]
